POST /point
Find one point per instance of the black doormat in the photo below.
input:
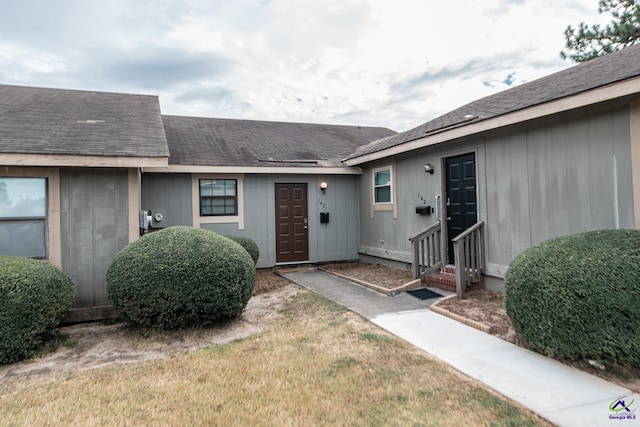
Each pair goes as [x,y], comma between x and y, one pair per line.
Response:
[424,293]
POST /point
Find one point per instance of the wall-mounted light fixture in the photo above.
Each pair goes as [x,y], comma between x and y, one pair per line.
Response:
[323,186]
[428,168]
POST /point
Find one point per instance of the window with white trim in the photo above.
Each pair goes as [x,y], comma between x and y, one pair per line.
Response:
[382,185]
[23,217]
[218,197]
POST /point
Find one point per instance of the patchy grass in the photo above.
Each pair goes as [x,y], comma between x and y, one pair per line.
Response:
[317,365]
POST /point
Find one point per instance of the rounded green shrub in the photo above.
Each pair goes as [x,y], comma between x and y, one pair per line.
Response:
[578,296]
[249,245]
[34,296]
[180,277]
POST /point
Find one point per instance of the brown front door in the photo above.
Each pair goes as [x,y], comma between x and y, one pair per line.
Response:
[292,232]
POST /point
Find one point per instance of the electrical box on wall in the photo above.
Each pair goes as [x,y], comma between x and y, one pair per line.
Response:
[423,210]
[159,217]
[324,217]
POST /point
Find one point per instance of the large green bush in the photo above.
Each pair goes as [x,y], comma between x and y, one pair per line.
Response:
[249,245]
[34,296]
[578,296]
[180,277]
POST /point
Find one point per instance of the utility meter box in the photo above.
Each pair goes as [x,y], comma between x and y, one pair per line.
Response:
[159,218]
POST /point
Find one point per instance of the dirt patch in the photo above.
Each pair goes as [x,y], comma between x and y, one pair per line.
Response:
[487,308]
[385,277]
[95,345]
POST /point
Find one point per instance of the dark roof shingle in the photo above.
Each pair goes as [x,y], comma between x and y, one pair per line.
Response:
[73,122]
[598,72]
[229,142]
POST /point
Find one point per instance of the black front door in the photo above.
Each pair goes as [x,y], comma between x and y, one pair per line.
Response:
[462,208]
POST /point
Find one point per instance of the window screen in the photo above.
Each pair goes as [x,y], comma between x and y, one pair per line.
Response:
[23,216]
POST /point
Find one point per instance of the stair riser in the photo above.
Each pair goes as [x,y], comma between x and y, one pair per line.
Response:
[448,282]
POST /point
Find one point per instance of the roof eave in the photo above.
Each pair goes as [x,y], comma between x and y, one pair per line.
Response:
[590,97]
[58,160]
[335,170]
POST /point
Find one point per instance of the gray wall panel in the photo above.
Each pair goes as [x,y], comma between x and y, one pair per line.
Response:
[541,180]
[94,216]
[171,192]
[577,177]
[337,240]
[507,194]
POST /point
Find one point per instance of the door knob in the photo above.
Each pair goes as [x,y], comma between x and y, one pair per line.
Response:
[448,218]
[306,227]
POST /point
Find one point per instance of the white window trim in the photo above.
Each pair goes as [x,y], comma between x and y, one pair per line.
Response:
[221,219]
[391,206]
[390,184]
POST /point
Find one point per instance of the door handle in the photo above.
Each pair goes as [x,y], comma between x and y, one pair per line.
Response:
[306,227]
[448,218]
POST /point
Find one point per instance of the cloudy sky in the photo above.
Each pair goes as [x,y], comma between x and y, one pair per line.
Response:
[391,63]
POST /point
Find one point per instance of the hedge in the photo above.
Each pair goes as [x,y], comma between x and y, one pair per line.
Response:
[180,277]
[34,296]
[578,296]
[249,245]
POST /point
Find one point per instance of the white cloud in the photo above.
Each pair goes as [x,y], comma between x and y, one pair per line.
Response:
[368,62]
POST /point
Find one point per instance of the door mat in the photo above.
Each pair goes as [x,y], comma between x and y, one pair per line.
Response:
[424,293]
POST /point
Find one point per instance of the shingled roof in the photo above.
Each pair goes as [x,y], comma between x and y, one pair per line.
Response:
[227,142]
[80,123]
[603,71]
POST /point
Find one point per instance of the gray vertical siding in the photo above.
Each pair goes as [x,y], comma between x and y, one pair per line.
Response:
[542,180]
[557,178]
[387,237]
[94,228]
[257,214]
[169,192]
[337,240]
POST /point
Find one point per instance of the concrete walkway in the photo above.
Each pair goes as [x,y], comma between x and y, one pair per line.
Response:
[563,395]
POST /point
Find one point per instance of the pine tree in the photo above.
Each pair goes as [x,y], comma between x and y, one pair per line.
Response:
[588,42]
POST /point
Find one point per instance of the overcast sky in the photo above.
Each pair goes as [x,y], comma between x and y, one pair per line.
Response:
[390,63]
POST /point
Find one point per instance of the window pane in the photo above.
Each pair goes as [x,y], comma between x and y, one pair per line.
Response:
[23,197]
[218,188]
[218,197]
[383,177]
[383,194]
[23,238]
[206,187]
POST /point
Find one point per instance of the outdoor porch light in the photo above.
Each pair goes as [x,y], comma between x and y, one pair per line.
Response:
[323,186]
[428,168]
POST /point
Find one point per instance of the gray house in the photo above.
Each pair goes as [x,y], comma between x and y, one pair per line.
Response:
[70,166]
[478,185]
[281,184]
[77,167]
[472,188]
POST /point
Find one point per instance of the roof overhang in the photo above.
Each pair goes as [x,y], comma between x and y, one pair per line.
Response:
[591,97]
[15,159]
[256,170]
